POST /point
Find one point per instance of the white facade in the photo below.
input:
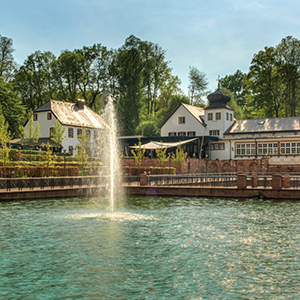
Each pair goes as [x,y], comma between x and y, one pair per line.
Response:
[183,122]
[73,121]
[275,138]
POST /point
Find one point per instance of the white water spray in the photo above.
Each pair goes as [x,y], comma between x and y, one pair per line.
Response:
[111,156]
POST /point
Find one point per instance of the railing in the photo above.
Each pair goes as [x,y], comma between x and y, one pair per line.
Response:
[193,180]
[50,182]
[196,180]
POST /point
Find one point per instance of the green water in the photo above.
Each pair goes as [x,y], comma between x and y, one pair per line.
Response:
[156,248]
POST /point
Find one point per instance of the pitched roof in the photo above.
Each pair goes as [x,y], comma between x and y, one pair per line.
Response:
[197,112]
[70,114]
[265,125]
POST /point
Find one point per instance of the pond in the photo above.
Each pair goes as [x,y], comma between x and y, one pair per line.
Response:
[152,248]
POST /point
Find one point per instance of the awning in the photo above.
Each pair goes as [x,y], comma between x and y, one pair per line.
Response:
[160,145]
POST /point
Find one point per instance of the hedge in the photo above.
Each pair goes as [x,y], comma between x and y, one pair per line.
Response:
[134,171]
[17,172]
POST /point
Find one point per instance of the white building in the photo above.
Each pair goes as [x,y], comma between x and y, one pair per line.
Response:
[73,117]
[276,138]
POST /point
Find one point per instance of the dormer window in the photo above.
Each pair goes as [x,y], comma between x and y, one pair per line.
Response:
[181,120]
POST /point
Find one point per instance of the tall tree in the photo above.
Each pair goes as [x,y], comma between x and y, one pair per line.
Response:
[12,108]
[57,135]
[7,63]
[35,79]
[265,84]
[5,138]
[128,69]
[31,135]
[198,86]
[235,83]
[288,53]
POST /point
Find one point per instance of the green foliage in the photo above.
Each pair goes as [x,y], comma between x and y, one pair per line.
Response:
[48,155]
[83,145]
[179,156]
[31,135]
[162,155]
[238,112]
[235,84]
[148,127]
[5,138]
[57,135]
[11,106]
[138,153]
[198,86]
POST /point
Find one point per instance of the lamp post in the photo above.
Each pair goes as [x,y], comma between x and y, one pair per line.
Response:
[65,153]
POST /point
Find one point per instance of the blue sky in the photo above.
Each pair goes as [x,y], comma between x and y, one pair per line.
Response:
[217,36]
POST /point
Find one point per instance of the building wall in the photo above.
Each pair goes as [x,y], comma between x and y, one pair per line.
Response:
[45,125]
[222,124]
[191,123]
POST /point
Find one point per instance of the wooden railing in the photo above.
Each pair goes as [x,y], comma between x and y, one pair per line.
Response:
[239,181]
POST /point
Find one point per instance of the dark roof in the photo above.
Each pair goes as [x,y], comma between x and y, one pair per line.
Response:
[265,125]
[218,99]
[70,114]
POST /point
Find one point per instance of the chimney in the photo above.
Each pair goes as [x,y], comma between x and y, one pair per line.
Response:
[80,103]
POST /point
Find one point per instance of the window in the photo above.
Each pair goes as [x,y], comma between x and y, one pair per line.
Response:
[49,116]
[79,132]
[218,116]
[35,117]
[230,117]
[290,148]
[191,133]
[245,149]
[217,146]
[210,116]
[182,133]
[95,134]
[70,133]
[214,132]
[71,150]
[88,132]
[172,133]
[267,148]
[181,120]
[51,131]
[227,116]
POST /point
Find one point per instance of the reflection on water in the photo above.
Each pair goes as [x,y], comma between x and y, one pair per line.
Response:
[157,248]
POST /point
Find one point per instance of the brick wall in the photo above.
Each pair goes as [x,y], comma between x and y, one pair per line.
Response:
[195,165]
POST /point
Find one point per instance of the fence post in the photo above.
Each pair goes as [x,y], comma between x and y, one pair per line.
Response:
[276,182]
[254,180]
[143,179]
[286,180]
[241,181]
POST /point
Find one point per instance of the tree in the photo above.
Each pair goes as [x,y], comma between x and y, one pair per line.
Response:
[138,153]
[179,156]
[12,108]
[57,135]
[31,135]
[7,63]
[162,156]
[265,84]
[35,79]
[288,53]
[235,83]
[83,147]
[198,86]
[5,138]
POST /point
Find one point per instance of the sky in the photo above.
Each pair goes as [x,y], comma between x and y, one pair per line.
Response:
[218,37]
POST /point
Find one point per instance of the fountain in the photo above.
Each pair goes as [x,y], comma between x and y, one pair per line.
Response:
[111,157]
